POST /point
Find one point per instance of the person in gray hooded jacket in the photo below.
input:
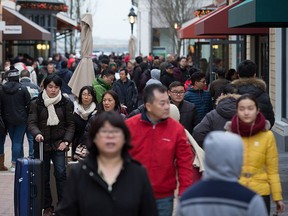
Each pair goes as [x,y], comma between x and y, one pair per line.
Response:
[155,77]
[219,193]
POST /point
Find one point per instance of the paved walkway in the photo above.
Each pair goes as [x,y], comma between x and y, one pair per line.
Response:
[7,182]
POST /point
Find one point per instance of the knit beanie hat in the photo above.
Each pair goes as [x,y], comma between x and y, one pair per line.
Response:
[13,73]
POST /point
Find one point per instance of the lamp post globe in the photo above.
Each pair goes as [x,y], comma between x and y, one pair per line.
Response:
[132,18]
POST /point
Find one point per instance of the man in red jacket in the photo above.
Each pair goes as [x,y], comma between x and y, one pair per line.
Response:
[160,144]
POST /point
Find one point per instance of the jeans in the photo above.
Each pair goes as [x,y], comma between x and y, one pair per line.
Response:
[16,134]
[31,143]
[58,159]
[267,202]
[165,206]
[2,142]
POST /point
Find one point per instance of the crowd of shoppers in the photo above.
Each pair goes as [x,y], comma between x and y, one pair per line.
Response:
[137,154]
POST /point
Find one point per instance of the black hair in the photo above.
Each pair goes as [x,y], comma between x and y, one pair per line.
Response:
[221,72]
[247,69]
[148,93]
[64,64]
[116,120]
[175,84]
[107,73]
[193,70]
[229,89]
[115,96]
[24,73]
[247,96]
[124,69]
[230,73]
[90,91]
[52,78]
[197,76]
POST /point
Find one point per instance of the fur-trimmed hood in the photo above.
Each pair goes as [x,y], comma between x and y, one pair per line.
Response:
[222,97]
[255,82]
[226,105]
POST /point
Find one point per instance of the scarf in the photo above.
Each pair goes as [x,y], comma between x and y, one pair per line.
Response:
[247,130]
[85,113]
[49,103]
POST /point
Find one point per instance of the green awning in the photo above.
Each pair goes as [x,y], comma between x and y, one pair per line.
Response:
[259,13]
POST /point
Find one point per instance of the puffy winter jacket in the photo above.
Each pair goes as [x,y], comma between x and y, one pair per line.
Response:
[157,147]
[53,135]
[260,164]
[15,100]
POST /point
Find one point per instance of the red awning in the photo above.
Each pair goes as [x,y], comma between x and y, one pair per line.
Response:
[187,31]
[216,23]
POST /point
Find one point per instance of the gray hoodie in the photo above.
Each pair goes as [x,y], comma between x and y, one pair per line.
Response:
[219,193]
[155,77]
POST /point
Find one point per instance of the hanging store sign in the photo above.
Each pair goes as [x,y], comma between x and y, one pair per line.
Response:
[2,25]
[13,29]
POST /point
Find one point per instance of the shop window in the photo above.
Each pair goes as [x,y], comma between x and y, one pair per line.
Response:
[156,37]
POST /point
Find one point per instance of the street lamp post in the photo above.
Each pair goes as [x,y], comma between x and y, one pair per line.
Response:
[132,18]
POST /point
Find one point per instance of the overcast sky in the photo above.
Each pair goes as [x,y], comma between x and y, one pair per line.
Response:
[110,19]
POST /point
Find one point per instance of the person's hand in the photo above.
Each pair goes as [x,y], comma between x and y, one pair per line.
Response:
[39,138]
[280,206]
[62,146]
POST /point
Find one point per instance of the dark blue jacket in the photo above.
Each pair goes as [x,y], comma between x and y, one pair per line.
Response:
[202,100]
[65,75]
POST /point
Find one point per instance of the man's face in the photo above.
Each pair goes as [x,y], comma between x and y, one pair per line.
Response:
[50,68]
[169,70]
[183,63]
[177,94]
[201,84]
[122,75]
[160,108]
[109,79]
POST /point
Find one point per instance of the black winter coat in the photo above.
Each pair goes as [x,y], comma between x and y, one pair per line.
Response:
[257,88]
[53,135]
[127,92]
[166,79]
[87,194]
[15,102]
[188,114]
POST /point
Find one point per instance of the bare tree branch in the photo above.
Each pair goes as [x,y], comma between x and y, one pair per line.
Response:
[170,12]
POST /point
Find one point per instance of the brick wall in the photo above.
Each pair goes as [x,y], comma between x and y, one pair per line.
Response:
[272,60]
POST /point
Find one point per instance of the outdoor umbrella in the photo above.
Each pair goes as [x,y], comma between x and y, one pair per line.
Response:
[132,47]
[84,73]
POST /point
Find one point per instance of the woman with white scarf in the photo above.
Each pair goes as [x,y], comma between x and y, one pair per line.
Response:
[51,121]
[85,107]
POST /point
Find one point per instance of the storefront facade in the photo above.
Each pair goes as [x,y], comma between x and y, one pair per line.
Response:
[265,13]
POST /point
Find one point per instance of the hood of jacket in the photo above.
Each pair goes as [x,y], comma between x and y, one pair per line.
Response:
[253,86]
[226,105]
[100,81]
[155,74]
[11,87]
[219,166]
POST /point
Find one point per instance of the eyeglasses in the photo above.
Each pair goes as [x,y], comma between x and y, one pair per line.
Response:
[178,92]
[115,132]
[203,81]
